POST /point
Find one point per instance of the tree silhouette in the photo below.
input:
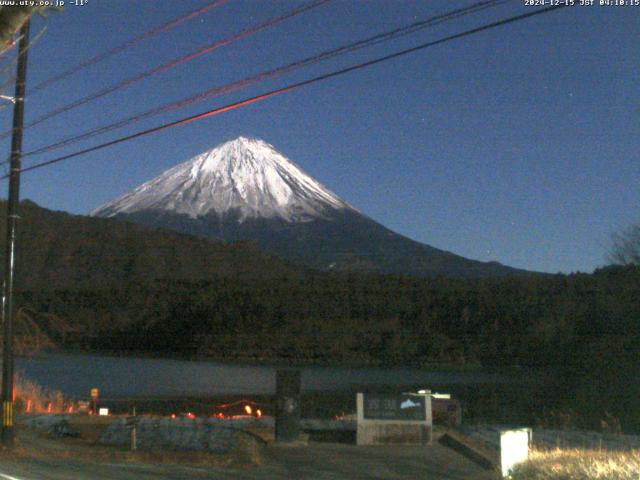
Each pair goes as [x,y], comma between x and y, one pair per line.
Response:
[625,248]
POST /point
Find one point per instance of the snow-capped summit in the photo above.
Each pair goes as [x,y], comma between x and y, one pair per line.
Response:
[246,177]
[244,190]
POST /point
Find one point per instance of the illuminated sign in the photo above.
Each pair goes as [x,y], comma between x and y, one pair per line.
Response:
[514,448]
[394,407]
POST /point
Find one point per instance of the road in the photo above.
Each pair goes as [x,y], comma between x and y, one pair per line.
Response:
[317,461]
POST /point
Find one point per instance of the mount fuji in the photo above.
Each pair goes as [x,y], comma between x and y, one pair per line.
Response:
[245,190]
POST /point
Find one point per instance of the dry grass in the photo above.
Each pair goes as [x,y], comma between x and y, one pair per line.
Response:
[36,399]
[579,465]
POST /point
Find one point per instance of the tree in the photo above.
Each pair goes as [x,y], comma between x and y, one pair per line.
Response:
[12,18]
[625,247]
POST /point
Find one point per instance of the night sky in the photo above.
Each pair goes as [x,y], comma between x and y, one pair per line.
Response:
[519,144]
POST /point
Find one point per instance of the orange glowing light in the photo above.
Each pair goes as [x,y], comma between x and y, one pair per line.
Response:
[49,407]
[247,409]
[29,406]
[173,415]
[191,415]
[258,413]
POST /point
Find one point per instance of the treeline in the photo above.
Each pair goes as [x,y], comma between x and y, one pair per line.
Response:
[530,321]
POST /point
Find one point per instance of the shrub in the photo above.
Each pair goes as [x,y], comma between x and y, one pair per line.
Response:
[579,465]
[33,398]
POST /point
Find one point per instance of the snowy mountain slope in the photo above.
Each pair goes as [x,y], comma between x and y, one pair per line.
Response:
[245,190]
[244,177]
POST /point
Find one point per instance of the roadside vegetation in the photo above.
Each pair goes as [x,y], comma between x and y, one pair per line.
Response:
[31,397]
[579,465]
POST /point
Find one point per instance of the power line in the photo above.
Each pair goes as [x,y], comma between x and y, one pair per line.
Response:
[273,73]
[173,63]
[293,86]
[8,48]
[129,43]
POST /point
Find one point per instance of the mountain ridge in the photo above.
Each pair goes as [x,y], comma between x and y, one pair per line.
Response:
[245,175]
[244,189]
[60,250]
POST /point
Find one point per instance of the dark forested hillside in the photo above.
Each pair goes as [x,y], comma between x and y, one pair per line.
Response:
[58,250]
[367,318]
[136,288]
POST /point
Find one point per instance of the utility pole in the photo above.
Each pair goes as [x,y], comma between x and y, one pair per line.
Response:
[8,310]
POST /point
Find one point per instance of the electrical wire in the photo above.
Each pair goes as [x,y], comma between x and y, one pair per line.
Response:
[172,64]
[273,73]
[9,47]
[294,86]
[129,43]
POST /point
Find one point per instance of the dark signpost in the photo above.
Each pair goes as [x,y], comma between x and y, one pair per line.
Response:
[95,393]
[287,405]
[132,424]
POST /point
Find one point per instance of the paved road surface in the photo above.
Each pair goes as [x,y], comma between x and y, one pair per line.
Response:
[318,461]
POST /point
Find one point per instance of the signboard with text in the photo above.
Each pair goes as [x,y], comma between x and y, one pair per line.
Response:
[394,407]
[394,418]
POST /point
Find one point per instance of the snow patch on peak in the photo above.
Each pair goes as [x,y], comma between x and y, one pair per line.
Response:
[246,177]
